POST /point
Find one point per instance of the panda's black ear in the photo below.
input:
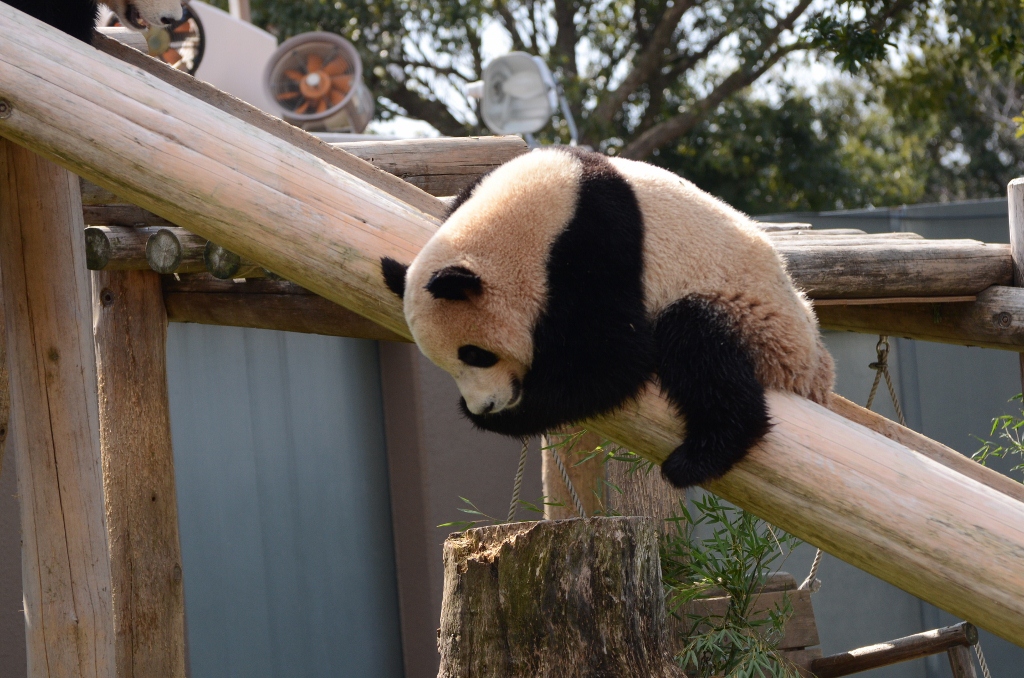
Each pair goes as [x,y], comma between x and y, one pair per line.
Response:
[394,275]
[454,282]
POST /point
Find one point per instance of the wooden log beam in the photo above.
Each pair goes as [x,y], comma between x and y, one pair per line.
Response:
[864,498]
[995,319]
[269,125]
[893,652]
[138,473]
[441,167]
[66,578]
[438,166]
[897,268]
[265,304]
[554,598]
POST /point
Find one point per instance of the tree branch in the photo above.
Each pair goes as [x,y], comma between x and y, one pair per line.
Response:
[646,64]
[518,44]
[675,127]
[565,40]
[431,111]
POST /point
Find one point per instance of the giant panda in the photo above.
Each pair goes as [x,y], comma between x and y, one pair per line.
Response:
[565,280]
[77,18]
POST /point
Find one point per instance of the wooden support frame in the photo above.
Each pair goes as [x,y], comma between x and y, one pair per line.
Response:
[55,422]
[817,474]
[138,473]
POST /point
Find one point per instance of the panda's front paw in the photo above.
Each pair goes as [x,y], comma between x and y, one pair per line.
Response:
[686,470]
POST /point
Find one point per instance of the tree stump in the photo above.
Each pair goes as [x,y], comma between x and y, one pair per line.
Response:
[565,598]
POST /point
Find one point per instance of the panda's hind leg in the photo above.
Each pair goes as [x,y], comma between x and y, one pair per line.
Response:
[705,369]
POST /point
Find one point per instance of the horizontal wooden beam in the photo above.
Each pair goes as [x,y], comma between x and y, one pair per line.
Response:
[864,498]
[264,304]
[896,268]
[441,167]
[995,319]
[895,651]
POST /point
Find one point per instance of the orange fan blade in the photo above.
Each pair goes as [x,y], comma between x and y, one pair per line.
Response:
[321,106]
[336,67]
[293,74]
[287,96]
[342,83]
[171,56]
[314,63]
[336,97]
[302,108]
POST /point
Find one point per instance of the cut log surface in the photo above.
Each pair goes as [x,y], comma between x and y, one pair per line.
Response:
[899,268]
[876,504]
[895,651]
[578,598]
[138,473]
[175,250]
[66,578]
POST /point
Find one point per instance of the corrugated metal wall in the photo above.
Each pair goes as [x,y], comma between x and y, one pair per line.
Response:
[283,504]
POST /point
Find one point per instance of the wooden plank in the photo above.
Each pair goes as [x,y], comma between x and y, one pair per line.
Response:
[816,475]
[895,300]
[901,268]
[800,631]
[54,419]
[307,313]
[995,319]
[439,166]
[895,651]
[138,472]
[119,214]
[831,233]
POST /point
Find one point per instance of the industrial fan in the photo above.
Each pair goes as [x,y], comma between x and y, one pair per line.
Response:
[180,45]
[315,79]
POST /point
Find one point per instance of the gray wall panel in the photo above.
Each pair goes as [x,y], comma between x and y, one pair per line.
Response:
[283,502]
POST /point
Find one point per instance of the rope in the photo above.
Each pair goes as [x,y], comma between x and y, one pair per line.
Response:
[812,582]
[981,660]
[519,482]
[881,368]
[568,483]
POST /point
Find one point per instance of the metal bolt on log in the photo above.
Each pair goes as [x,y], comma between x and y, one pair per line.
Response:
[555,598]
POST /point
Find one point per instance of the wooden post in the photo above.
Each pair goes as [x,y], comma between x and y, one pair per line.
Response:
[836,484]
[961,663]
[567,598]
[587,477]
[138,473]
[55,421]
[1015,203]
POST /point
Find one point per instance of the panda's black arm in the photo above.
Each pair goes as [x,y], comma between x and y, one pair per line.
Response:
[708,374]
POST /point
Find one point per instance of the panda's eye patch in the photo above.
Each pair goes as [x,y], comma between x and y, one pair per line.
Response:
[474,356]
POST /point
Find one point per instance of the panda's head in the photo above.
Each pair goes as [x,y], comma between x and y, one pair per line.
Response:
[139,14]
[531,293]
[474,293]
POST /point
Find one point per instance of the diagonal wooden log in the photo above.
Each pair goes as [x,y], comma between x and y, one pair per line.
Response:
[938,534]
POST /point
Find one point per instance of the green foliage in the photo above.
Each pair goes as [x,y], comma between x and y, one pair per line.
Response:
[722,550]
[1009,428]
